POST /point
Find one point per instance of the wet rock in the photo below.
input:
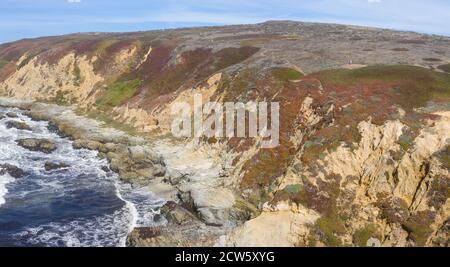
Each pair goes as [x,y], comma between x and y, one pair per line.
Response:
[157,218]
[12,115]
[35,144]
[12,170]
[52,127]
[54,166]
[175,214]
[105,169]
[18,125]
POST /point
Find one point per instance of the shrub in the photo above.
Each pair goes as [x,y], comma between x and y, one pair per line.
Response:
[77,76]
[444,157]
[362,235]
[59,99]
[118,93]
[230,56]
[286,74]
[3,63]
[293,188]
[394,210]
[405,141]
[408,86]
[418,227]
[329,228]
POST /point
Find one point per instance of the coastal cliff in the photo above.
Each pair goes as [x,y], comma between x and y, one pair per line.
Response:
[364,128]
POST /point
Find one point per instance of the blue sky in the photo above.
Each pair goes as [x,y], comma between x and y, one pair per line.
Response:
[33,18]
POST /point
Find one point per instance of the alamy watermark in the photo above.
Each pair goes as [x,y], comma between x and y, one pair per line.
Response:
[227,120]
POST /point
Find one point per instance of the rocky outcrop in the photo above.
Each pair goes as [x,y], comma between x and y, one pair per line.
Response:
[283,225]
[49,166]
[129,156]
[136,164]
[34,144]
[18,125]
[12,170]
[183,229]
[11,115]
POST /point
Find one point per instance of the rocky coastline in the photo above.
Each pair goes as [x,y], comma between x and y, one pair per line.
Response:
[138,164]
[364,141]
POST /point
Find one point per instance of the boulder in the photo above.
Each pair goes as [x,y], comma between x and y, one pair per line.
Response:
[12,115]
[87,144]
[54,128]
[35,144]
[54,166]
[12,170]
[212,205]
[105,169]
[176,214]
[135,164]
[18,125]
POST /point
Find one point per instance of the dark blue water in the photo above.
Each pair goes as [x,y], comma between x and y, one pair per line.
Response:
[81,205]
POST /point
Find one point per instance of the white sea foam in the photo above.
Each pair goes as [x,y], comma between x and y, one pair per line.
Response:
[100,231]
[4,154]
[4,180]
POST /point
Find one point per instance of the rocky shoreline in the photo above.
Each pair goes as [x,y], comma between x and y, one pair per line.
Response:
[128,156]
[133,158]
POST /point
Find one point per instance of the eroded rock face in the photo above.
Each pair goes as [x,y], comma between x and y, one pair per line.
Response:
[282,226]
[34,144]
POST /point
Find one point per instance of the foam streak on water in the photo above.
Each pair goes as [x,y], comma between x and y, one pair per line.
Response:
[81,205]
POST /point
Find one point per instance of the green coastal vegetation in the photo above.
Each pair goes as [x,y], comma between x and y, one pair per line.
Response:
[118,93]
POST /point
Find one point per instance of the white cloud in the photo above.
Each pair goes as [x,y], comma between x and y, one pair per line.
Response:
[73,1]
[374,1]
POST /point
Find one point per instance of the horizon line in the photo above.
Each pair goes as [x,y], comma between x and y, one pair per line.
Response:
[229,25]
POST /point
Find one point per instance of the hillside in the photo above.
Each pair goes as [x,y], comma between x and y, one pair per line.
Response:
[364,126]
